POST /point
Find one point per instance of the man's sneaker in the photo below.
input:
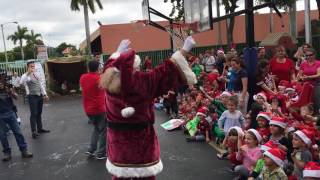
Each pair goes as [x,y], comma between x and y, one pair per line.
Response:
[43,131]
[90,154]
[6,157]
[26,154]
[101,157]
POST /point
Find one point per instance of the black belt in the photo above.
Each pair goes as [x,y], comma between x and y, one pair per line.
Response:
[128,126]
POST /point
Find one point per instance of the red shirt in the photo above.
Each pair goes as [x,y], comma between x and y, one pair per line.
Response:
[283,71]
[94,98]
[310,70]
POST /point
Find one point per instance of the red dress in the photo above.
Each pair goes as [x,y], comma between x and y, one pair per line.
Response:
[135,153]
[283,71]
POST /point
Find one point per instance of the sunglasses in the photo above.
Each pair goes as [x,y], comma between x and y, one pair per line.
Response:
[309,55]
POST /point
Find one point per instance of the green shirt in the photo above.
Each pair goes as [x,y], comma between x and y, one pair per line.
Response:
[277,174]
[259,166]
[220,108]
[197,70]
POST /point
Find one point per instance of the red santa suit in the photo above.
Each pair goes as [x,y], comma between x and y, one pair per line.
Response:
[133,148]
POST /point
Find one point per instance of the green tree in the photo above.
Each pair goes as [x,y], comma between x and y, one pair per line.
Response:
[19,35]
[63,46]
[33,39]
[75,6]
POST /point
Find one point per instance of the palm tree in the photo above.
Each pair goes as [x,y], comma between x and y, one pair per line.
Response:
[33,39]
[75,6]
[19,35]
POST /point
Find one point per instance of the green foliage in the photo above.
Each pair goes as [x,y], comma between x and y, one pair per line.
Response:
[75,5]
[19,35]
[62,47]
[281,4]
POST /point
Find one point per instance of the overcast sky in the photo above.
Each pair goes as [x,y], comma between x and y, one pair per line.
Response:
[57,23]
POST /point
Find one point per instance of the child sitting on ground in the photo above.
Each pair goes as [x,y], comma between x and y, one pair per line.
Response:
[198,128]
[259,105]
[231,143]
[248,153]
[302,140]
[263,119]
[274,160]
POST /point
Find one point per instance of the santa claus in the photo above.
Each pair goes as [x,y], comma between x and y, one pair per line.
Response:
[133,148]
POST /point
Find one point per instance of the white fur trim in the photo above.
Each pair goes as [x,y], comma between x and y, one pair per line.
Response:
[115,55]
[277,160]
[283,125]
[137,62]
[264,148]
[201,114]
[303,137]
[290,89]
[225,93]
[311,173]
[264,116]
[290,129]
[257,134]
[238,129]
[184,66]
[132,172]
[127,112]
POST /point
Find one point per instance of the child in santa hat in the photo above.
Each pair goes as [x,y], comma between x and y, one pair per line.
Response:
[311,171]
[261,162]
[263,119]
[274,160]
[260,105]
[248,153]
[231,143]
[302,140]
[277,128]
[199,126]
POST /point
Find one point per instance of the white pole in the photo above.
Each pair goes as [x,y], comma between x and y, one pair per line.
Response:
[4,45]
[307,21]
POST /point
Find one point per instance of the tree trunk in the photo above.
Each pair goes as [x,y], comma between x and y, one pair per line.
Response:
[86,22]
[230,31]
[293,20]
[21,49]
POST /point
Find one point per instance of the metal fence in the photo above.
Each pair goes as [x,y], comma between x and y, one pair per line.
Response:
[19,66]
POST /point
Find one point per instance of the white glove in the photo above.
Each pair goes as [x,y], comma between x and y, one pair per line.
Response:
[189,43]
[124,45]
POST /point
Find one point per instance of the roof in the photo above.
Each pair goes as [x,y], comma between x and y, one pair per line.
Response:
[272,39]
[73,59]
[93,36]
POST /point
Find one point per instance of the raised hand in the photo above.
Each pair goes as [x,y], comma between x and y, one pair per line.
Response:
[124,45]
[189,43]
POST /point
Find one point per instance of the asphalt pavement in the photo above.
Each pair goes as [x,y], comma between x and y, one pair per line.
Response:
[59,155]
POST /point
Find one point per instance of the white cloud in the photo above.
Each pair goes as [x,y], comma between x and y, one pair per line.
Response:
[57,23]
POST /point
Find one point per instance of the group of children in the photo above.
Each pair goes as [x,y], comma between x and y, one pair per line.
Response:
[276,139]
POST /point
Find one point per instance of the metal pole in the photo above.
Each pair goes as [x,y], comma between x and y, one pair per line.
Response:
[307,21]
[249,24]
[219,23]
[271,20]
[293,20]
[171,39]
[4,45]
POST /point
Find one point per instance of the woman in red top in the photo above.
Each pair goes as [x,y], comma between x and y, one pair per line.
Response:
[282,67]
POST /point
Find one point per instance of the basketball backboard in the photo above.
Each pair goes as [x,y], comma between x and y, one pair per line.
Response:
[200,12]
[145,10]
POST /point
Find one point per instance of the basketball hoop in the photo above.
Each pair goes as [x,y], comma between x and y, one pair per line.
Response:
[180,31]
[139,24]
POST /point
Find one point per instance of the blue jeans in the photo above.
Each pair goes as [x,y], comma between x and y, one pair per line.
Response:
[9,119]
[98,136]
[36,104]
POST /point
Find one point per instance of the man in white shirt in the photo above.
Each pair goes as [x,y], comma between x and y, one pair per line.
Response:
[36,94]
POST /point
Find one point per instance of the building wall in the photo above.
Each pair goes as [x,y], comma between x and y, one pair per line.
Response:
[148,38]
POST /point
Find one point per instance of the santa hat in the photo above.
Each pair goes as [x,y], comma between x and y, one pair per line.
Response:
[278,121]
[264,115]
[238,129]
[277,155]
[284,83]
[305,135]
[202,111]
[256,134]
[268,145]
[311,169]
[225,93]
[290,88]
[261,94]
